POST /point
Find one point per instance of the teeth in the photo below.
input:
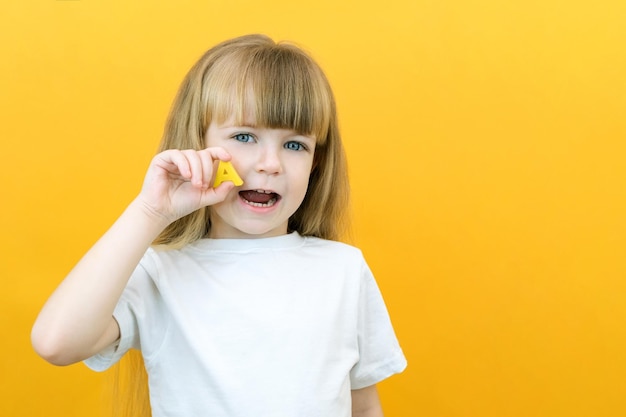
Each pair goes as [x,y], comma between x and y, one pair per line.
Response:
[268,204]
[263,191]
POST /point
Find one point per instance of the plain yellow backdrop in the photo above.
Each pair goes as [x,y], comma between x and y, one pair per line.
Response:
[486,141]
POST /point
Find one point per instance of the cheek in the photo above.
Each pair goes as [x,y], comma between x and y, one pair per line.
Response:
[302,180]
[242,161]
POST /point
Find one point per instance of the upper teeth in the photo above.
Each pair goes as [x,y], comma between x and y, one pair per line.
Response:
[263,191]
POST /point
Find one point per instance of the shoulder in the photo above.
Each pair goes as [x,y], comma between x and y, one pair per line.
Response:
[333,251]
[160,258]
[331,245]
[316,241]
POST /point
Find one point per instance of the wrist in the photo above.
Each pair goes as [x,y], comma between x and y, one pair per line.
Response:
[145,215]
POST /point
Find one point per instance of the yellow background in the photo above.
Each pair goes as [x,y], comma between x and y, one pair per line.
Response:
[487,144]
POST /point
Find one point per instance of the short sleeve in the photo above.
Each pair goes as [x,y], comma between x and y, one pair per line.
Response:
[134,306]
[380,355]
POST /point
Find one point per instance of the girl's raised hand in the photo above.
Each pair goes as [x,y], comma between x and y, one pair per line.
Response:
[178,182]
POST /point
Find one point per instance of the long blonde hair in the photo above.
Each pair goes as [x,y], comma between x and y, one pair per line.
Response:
[290,91]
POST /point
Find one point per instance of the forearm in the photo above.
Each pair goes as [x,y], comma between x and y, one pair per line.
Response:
[77,318]
[366,403]
[371,412]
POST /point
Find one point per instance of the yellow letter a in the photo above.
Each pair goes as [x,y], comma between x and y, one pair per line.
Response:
[226,172]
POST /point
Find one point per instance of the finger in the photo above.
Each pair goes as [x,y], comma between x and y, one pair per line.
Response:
[217,153]
[178,160]
[195,165]
[207,168]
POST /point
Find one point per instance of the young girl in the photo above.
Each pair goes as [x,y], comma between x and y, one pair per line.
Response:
[239,298]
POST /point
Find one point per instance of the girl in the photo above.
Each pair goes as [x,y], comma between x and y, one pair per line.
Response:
[238,297]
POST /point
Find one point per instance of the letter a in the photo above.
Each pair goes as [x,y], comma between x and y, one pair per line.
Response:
[226,172]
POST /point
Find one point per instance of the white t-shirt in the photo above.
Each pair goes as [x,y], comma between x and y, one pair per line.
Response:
[281,327]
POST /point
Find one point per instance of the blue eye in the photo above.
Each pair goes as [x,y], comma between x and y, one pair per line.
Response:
[243,137]
[295,146]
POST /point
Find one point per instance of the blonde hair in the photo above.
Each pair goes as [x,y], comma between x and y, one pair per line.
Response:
[290,91]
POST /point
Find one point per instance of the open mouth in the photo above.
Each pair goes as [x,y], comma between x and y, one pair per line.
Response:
[259,198]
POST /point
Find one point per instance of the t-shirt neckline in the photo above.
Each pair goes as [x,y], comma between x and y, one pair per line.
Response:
[290,240]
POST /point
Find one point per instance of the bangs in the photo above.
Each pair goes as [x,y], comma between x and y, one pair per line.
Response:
[274,86]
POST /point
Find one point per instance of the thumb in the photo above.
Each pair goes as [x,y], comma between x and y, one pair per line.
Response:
[218,194]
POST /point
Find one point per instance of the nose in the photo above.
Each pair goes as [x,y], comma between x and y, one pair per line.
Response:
[269,161]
